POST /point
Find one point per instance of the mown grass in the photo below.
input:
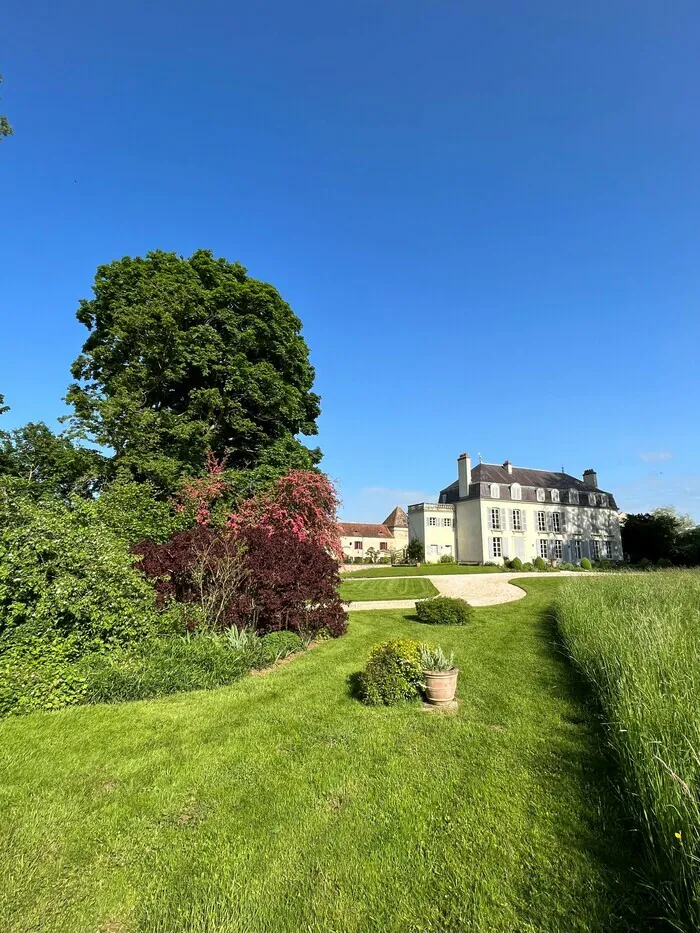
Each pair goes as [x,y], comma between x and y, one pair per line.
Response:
[423,570]
[418,588]
[637,638]
[283,804]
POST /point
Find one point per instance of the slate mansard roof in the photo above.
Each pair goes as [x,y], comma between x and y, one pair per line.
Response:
[484,474]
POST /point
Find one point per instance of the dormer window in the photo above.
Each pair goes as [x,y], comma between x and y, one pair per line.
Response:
[604,501]
[573,496]
[495,491]
[540,495]
[591,498]
[555,495]
[515,491]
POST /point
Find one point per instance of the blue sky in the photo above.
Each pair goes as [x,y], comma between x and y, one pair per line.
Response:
[486,215]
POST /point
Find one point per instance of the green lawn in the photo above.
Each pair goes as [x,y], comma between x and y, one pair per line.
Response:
[421,571]
[282,804]
[418,588]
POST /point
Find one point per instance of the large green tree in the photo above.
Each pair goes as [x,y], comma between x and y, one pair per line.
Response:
[656,535]
[190,356]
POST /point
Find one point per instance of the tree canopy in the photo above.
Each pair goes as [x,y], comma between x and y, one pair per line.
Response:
[190,357]
[660,534]
[5,128]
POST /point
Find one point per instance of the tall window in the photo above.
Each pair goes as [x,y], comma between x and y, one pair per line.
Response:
[577,549]
[556,521]
[496,547]
[604,501]
[358,545]
[496,519]
[383,546]
[595,549]
[573,496]
[591,498]
[516,492]
[555,495]
[541,521]
[432,521]
[495,491]
[517,520]
[543,548]
[558,548]
[540,495]
[607,548]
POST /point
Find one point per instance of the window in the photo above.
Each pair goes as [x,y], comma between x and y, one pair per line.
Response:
[496,547]
[358,545]
[516,492]
[496,519]
[604,501]
[555,495]
[591,498]
[541,521]
[607,548]
[556,521]
[544,548]
[433,549]
[595,549]
[517,521]
[558,548]
[495,491]
[447,522]
[432,521]
[540,495]
[383,546]
[573,496]
[577,549]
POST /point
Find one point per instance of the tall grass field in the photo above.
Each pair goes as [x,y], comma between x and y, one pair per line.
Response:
[637,639]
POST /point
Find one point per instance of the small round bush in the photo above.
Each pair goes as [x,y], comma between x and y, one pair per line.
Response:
[567,566]
[444,610]
[278,645]
[393,673]
[664,563]
[540,564]
[447,559]
[645,563]
[516,564]
[586,564]
[527,567]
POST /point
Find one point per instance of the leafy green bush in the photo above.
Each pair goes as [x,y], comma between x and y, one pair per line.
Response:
[358,560]
[444,610]
[527,567]
[278,645]
[644,563]
[664,563]
[567,565]
[160,666]
[394,672]
[132,512]
[516,564]
[541,564]
[586,564]
[447,559]
[415,550]
[38,674]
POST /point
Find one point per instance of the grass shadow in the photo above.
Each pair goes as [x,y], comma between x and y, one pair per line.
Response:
[354,684]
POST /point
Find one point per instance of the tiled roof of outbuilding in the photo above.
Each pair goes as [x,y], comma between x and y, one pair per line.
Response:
[396,519]
[364,530]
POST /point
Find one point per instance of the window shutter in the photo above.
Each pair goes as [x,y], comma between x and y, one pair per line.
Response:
[562,519]
[548,520]
[504,523]
[490,521]
[504,545]
[490,554]
[523,521]
[511,519]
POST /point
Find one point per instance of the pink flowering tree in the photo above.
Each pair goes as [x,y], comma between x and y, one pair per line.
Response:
[197,494]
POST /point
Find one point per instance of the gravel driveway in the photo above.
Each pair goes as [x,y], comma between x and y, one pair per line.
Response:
[479,589]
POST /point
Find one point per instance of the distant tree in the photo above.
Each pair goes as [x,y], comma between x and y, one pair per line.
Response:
[5,128]
[187,357]
[49,463]
[415,550]
[3,407]
[654,535]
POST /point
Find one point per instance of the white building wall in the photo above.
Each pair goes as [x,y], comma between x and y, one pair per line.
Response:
[434,526]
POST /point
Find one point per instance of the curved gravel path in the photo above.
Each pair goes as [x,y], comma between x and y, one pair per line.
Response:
[479,589]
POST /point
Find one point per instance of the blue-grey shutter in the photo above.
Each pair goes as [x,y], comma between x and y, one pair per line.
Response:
[562,513]
[504,521]
[490,520]
[523,522]
[548,520]
[490,546]
[510,517]
[504,547]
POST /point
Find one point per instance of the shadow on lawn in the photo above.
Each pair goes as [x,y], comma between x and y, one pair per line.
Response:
[607,833]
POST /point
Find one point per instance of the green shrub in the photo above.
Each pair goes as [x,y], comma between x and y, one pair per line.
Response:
[541,564]
[644,563]
[527,567]
[568,566]
[278,645]
[358,560]
[586,564]
[38,674]
[415,550]
[664,563]
[444,610]
[447,559]
[162,665]
[516,564]
[394,672]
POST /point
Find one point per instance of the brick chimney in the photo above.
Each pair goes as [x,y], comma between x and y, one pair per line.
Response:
[590,477]
[508,466]
[464,472]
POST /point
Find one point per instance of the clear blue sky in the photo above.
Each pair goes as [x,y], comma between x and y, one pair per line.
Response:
[487,215]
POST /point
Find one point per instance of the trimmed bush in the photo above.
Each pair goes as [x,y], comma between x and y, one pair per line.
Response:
[277,645]
[541,564]
[39,674]
[444,610]
[393,673]
[586,564]
[516,564]
[447,559]
[527,567]
[664,563]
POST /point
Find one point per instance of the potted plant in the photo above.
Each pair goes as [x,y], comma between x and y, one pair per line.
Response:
[439,674]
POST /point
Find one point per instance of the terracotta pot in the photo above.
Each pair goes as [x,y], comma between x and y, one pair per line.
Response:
[440,686]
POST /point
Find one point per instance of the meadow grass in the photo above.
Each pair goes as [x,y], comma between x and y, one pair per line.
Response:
[423,570]
[418,588]
[637,639]
[283,804]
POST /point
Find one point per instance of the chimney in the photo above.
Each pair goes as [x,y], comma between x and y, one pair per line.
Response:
[508,466]
[464,472]
[590,477]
